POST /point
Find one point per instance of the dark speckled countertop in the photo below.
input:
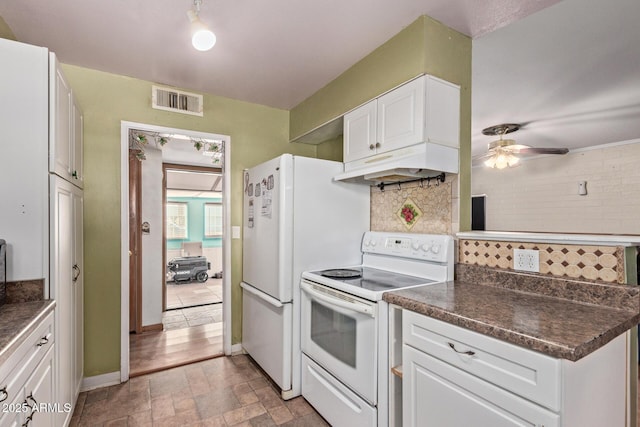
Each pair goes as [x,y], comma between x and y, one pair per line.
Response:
[17,321]
[558,327]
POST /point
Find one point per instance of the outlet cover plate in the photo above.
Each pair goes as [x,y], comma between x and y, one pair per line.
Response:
[526,260]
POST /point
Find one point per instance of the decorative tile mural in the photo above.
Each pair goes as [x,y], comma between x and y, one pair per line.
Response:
[593,263]
[432,202]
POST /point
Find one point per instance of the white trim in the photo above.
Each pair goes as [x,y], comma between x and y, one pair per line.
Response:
[104,380]
[237,349]
[125,126]
[226,249]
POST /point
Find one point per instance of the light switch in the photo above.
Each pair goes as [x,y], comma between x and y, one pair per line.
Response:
[235,231]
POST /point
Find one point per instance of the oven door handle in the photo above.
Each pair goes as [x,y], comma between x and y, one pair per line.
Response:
[352,306]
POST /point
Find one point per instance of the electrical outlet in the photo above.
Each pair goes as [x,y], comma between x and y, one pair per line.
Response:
[526,260]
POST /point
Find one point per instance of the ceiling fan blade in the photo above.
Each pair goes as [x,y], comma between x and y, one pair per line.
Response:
[483,156]
[541,150]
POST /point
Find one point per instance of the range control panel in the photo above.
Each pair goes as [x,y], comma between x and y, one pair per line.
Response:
[429,247]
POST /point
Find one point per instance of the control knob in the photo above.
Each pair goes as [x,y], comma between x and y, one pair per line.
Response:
[415,245]
[425,247]
[435,248]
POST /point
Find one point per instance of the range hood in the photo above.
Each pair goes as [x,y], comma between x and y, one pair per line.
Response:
[417,161]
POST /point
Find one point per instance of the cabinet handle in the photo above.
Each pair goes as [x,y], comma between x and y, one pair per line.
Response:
[75,174]
[3,394]
[371,147]
[28,420]
[77,273]
[43,341]
[468,353]
[377,145]
[31,398]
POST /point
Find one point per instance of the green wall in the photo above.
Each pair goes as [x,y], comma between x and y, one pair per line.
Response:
[391,64]
[258,133]
[5,31]
[425,46]
[195,223]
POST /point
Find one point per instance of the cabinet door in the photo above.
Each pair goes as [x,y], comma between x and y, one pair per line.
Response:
[10,417]
[61,156]
[39,391]
[76,142]
[401,116]
[78,295]
[442,112]
[360,132]
[436,394]
[62,286]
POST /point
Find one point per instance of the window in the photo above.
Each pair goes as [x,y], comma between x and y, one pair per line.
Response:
[176,220]
[212,220]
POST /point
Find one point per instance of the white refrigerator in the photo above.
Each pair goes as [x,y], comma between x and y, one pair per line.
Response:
[296,218]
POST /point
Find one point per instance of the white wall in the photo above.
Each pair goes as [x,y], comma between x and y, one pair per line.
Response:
[542,193]
[152,278]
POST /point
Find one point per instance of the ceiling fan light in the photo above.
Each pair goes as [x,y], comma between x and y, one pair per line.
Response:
[490,162]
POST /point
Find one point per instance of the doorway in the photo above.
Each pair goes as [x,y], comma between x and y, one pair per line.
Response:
[192,246]
[176,149]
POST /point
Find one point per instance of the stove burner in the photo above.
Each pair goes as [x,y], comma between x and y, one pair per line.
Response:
[341,273]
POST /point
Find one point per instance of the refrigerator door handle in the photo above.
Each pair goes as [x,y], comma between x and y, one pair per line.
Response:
[271,300]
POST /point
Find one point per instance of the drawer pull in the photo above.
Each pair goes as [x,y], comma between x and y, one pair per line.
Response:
[468,353]
[76,274]
[43,341]
[31,398]
[28,420]
[3,394]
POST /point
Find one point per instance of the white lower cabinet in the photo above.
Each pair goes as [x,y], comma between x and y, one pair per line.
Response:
[456,377]
[67,289]
[27,382]
[441,395]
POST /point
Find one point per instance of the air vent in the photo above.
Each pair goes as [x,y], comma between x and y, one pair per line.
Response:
[169,99]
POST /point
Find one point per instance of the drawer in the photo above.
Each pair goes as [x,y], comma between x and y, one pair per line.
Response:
[527,373]
[22,362]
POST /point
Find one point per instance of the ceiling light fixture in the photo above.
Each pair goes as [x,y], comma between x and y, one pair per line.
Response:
[202,37]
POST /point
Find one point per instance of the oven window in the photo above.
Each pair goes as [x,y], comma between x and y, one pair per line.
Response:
[334,332]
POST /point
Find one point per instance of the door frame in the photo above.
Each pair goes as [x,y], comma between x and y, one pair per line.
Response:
[135,240]
[125,127]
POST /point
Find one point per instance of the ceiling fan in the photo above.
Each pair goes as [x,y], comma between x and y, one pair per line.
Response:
[501,153]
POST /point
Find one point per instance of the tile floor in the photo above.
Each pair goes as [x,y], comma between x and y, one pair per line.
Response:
[193,293]
[192,316]
[226,391]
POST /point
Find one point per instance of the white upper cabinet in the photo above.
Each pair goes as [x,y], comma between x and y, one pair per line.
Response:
[426,109]
[77,142]
[360,130]
[401,116]
[65,158]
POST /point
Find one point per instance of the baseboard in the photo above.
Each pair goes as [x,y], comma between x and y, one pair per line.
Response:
[104,380]
[153,328]
[237,349]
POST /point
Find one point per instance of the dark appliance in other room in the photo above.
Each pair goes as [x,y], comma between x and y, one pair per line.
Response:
[186,269]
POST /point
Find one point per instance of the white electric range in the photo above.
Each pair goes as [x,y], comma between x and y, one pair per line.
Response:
[344,323]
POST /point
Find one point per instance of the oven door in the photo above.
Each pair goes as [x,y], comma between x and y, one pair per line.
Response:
[339,332]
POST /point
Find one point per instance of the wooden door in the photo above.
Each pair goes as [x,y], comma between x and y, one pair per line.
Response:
[135,243]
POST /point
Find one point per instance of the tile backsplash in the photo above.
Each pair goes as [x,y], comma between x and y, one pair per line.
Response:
[583,262]
[435,204]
